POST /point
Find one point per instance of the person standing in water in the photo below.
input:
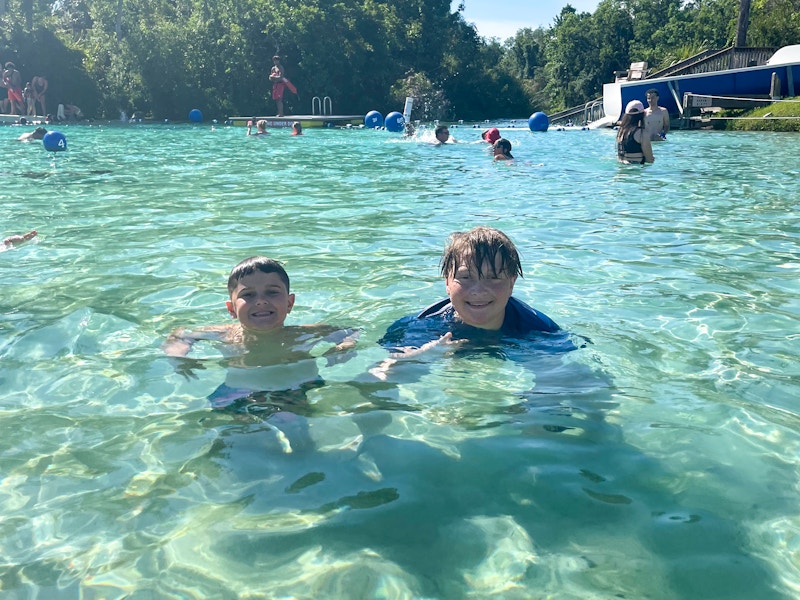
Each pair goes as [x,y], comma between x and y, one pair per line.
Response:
[656,118]
[633,143]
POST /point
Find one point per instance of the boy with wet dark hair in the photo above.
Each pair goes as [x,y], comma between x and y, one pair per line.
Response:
[480,268]
[266,359]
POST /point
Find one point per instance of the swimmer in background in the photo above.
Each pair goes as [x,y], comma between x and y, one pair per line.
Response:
[269,364]
[490,136]
[297,128]
[261,128]
[36,134]
[502,150]
[656,118]
[442,133]
[15,240]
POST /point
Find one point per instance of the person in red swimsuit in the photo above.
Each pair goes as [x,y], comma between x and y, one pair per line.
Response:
[278,83]
[13,81]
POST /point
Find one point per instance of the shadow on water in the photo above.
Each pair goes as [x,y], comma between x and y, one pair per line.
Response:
[541,493]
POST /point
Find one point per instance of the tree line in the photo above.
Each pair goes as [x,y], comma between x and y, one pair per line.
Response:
[163,57]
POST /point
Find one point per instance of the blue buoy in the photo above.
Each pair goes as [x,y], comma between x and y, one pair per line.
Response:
[373,119]
[538,121]
[195,116]
[395,122]
[54,141]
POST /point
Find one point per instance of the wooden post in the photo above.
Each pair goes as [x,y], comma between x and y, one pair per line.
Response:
[741,24]
[775,87]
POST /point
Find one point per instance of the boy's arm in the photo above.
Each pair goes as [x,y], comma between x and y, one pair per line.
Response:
[344,340]
[382,370]
[180,342]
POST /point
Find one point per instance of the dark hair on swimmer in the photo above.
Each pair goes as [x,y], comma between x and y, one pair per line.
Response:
[504,145]
[477,246]
[256,263]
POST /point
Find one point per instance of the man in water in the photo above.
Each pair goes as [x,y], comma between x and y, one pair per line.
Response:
[442,134]
[656,118]
[16,240]
[36,134]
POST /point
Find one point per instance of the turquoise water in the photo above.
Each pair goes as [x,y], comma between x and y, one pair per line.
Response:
[661,461]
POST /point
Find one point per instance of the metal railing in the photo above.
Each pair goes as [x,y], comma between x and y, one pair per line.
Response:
[324,106]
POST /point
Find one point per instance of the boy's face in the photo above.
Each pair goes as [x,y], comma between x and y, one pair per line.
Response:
[443,135]
[260,301]
[480,302]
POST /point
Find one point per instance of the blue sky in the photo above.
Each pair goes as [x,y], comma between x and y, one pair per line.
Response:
[503,18]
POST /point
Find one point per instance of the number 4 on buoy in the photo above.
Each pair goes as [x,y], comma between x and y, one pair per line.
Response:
[54,141]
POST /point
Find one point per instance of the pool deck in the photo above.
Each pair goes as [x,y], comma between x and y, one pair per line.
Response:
[305,120]
[14,119]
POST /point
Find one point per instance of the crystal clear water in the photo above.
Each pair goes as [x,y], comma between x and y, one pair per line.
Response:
[661,461]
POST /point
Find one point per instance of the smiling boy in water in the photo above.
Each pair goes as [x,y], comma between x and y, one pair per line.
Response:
[480,268]
[265,356]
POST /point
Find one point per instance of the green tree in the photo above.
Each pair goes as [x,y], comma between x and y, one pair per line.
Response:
[774,22]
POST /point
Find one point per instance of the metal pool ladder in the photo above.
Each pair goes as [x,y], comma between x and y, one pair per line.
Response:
[324,106]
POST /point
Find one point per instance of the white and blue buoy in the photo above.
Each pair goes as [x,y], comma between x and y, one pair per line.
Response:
[373,119]
[395,122]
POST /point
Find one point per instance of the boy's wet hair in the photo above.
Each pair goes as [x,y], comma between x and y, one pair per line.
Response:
[256,263]
[477,246]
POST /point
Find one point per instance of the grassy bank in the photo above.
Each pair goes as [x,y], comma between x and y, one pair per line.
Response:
[780,116]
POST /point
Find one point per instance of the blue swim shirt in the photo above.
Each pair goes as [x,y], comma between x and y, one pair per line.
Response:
[521,322]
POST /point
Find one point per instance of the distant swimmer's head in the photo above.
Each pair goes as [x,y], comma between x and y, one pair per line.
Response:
[38,133]
[297,128]
[502,148]
[442,133]
[262,125]
[491,135]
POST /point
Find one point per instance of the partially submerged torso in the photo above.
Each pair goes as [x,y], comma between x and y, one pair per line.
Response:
[278,360]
